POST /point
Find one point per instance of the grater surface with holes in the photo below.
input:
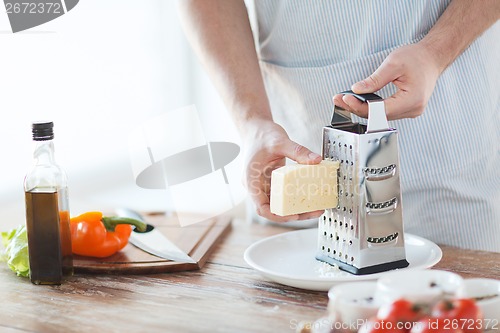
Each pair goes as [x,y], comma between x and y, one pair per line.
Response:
[364,233]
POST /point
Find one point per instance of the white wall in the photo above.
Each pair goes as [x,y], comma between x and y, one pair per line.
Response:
[98,71]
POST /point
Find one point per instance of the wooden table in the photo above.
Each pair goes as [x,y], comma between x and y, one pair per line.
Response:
[224,296]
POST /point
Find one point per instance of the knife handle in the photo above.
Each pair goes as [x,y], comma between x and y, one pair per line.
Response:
[149,228]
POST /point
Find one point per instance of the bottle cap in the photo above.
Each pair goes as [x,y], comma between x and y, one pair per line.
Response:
[43,130]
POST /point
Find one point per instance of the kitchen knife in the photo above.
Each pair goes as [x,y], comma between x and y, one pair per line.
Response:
[153,241]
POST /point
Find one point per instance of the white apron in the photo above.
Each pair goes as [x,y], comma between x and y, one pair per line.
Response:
[450,156]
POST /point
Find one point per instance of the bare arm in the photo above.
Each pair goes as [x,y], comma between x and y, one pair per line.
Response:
[461,23]
[414,69]
[220,33]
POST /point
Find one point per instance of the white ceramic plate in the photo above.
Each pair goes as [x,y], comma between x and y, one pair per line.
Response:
[288,259]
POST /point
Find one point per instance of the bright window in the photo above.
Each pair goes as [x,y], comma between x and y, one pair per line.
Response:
[98,71]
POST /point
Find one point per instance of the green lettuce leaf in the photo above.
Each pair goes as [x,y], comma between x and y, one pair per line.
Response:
[15,254]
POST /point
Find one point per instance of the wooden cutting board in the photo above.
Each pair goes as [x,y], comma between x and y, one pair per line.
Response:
[198,240]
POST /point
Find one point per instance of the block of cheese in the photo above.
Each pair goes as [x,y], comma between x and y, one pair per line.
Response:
[300,188]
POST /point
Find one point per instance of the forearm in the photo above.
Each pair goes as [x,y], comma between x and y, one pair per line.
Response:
[220,33]
[460,24]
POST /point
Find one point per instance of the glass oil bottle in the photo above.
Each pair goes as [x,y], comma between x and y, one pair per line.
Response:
[47,212]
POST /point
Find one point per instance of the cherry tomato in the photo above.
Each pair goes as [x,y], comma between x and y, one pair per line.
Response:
[462,312]
[376,325]
[401,310]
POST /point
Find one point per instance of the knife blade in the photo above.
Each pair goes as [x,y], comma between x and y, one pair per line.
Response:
[153,241]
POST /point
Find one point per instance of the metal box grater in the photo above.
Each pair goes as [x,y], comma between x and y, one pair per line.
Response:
[364,233]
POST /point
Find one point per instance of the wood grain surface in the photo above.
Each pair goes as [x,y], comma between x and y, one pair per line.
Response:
[197,240]
[223,296]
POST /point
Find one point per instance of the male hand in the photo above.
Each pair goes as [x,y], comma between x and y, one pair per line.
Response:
[267,146]
[412,69]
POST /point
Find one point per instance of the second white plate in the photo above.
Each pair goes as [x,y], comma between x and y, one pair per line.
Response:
[288,259]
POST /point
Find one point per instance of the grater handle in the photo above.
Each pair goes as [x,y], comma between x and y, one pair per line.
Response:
[363,97]
[340,116]
[377,119]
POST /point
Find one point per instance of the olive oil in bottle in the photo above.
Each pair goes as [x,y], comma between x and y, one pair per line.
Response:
[47,212]
[44,242]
